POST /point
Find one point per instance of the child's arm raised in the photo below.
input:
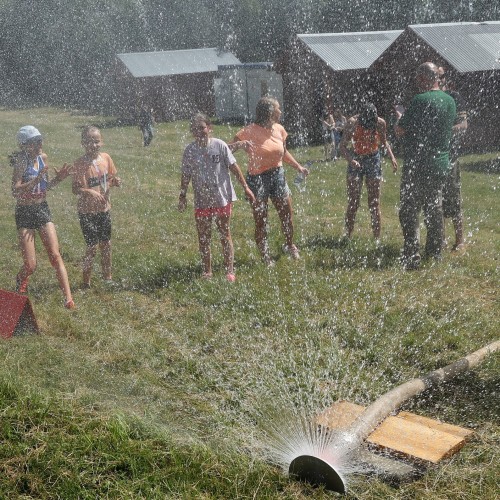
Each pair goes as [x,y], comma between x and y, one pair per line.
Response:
[61,174]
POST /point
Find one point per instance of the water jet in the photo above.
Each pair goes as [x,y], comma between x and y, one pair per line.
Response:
[318,471]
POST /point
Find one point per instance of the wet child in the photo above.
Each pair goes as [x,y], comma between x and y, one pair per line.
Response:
[94,175]
[30,183]
[207,162]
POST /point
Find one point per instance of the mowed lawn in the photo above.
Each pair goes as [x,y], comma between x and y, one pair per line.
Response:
[167,386]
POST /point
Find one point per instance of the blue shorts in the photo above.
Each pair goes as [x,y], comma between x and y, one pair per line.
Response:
[270,184]
[370,167]
[33,216]
[96,228]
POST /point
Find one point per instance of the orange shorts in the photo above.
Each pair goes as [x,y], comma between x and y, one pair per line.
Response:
[209,212]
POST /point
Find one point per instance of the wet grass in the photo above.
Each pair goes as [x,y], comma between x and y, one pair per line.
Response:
[157,387]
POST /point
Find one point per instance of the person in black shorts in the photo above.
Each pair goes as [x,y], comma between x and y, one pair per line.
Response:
[30,183]
[95,174]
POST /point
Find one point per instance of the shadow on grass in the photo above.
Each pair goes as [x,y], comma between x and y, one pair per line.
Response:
[485,166]
[164,276]
[467,398]
[352,254]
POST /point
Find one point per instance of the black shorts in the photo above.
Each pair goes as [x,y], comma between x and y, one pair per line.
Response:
[33,216]
[96,228]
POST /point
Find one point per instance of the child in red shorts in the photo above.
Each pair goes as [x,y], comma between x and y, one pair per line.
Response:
[207,162]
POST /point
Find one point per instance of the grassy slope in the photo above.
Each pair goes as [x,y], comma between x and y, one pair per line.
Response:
[169,375]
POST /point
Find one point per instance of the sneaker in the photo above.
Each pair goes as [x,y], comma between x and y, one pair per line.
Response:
[411,263]
[231,277]
[292,250]
[21,286]
[458,248]
[268,261]
[109,283]
[69,304]
[206,276]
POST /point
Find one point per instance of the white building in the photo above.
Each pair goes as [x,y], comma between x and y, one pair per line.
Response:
[239,87]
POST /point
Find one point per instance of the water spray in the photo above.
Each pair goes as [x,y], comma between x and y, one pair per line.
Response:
[319,471]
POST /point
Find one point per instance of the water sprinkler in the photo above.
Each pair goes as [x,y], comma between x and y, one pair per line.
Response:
[319,472]
[316,471]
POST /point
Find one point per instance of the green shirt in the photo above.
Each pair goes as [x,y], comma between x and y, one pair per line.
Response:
[428,123]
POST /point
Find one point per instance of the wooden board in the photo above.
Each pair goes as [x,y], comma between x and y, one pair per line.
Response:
[406,434]
[340,415]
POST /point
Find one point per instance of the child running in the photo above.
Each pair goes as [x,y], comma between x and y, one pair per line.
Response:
[207,162]
[30,183]
[95,174]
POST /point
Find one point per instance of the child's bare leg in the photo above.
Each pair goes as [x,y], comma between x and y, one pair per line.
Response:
[48,236]
[27,244]
[259,209]
[222,222]
[88,262]
[105,247]
[204,228]
[354,185]
[285,213]
[373,188]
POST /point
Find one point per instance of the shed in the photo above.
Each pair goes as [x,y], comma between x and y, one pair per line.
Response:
[174,83]
[239,87]
[324,71]
[470,55]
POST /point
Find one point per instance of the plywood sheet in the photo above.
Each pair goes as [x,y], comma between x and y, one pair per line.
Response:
[340,415]
[406,434]
[437,424]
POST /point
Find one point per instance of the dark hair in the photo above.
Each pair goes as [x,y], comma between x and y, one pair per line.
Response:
[264,110]
[201,117]
[368,117]
[87,129]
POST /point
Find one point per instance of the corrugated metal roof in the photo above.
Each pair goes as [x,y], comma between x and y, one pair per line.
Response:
[175,62]
[256,65]
[466,46]
[346,51]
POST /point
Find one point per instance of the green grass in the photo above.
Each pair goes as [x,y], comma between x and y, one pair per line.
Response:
[164,386]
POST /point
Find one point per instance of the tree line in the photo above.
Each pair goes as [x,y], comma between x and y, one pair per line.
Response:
[61,52]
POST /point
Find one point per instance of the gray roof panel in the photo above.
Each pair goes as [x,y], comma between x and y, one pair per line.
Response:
[175,62]
[348,51]
[468,47]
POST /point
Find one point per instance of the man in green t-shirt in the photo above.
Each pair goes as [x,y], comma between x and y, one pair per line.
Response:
[426,129]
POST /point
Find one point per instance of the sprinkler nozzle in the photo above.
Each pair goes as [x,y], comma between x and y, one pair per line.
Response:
[317,472]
